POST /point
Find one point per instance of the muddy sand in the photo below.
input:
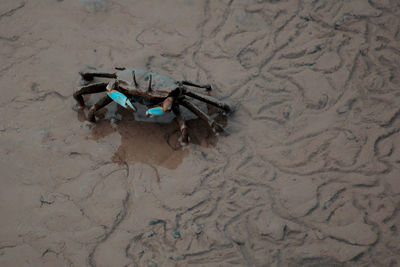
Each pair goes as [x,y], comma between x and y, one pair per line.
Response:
[308,174]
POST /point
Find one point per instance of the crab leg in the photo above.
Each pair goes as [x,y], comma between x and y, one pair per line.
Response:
[210,100]
[89,89]
[89,75]
[104,101]
[214,125]
[182,125]
[189,83]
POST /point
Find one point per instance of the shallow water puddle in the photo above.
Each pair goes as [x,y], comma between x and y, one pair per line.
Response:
[155,144]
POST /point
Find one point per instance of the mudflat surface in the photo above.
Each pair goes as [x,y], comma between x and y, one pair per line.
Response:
[308,175]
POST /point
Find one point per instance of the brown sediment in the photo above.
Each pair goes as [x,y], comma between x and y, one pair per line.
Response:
[307,175]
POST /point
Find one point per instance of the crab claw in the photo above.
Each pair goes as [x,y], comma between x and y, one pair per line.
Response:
[121,99]
[157,111]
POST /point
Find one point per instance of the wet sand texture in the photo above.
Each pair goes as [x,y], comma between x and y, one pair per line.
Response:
[308,176]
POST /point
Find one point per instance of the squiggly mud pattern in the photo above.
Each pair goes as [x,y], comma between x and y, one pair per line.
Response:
[308,176]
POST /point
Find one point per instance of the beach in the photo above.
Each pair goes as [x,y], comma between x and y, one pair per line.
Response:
[306,173]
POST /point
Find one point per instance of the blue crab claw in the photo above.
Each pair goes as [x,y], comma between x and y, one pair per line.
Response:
[157,111]
[121,99]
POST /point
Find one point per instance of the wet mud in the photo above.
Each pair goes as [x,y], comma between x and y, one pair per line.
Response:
[307,174]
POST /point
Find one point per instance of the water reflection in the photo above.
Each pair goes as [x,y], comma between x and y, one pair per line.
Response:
[147,142]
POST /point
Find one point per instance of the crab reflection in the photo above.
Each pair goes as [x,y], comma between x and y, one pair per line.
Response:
[148,142]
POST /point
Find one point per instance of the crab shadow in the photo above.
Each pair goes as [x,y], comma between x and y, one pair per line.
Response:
[148,142]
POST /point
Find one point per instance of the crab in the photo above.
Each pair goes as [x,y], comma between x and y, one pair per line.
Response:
[159,93]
